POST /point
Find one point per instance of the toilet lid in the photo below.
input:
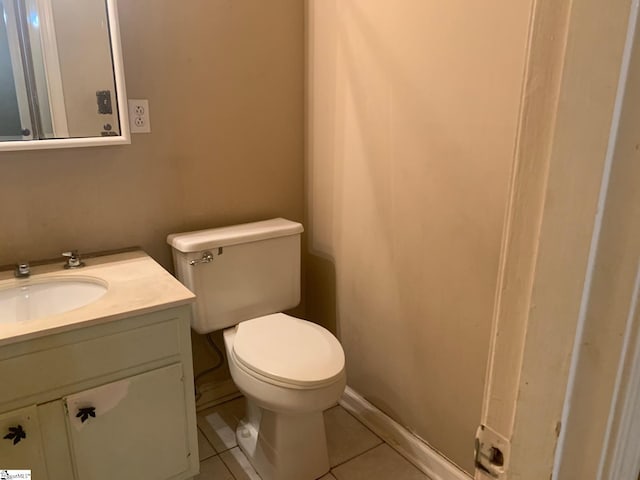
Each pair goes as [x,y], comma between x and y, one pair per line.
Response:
[288,349]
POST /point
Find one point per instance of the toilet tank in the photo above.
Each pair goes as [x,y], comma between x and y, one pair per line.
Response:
[239,272]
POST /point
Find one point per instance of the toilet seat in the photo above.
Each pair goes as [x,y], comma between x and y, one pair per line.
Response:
[288,351]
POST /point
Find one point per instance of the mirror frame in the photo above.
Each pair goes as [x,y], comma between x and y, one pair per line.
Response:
[121,93]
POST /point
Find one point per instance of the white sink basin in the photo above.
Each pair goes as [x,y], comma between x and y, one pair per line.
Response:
[42,298]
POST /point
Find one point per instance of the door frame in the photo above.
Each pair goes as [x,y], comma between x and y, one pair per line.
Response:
[620,456]
[597,432]
[575,56]
[18,71]
[51,59]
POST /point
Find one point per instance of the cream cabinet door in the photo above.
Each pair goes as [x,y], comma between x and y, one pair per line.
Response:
[131,429]
[21,443]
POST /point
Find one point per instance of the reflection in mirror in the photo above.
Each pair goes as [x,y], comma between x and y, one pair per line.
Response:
[56,70]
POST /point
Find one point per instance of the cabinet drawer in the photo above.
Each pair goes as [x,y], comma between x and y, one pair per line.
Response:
[64,365]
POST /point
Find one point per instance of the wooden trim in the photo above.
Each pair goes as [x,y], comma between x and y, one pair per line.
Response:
[51,60]
[572,393]
[18,70]
[118,70]
[522,230]
[414,449]
[575,54]
[622,460]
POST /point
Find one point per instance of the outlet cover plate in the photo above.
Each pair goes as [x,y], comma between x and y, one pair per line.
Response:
[139,118]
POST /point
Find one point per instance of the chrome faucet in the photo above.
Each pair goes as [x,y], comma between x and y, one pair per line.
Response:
[22,270]
[73,259]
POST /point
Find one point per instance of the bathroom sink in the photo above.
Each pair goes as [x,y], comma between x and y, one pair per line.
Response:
[36,299]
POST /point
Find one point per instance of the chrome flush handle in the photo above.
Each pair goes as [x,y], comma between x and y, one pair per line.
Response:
[207,257]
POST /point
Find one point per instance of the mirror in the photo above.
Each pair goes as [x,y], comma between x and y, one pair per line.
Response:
[61,80]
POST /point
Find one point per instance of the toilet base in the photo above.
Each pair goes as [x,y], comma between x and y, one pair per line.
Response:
[282,446]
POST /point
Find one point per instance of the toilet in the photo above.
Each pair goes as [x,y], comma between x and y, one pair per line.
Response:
[290,370]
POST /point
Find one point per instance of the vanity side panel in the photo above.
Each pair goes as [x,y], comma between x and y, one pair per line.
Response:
[189,392]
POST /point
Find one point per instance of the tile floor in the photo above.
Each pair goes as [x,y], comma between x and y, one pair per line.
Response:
[355,453]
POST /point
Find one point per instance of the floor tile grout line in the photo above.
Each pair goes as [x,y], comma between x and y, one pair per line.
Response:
[359,455]
[218,405]
[426,477]
[360,422]
[226,468]
[202,434]
[380,441]
[202,415]
[225,464]
[229,468]
[217,455]
[227,449]
[403,455]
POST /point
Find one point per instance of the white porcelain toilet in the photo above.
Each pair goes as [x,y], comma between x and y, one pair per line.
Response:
[290,370]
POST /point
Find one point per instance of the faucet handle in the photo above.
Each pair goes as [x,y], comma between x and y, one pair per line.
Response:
[73,259]
[22,270]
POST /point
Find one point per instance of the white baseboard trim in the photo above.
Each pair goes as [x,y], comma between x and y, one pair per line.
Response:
[428,460]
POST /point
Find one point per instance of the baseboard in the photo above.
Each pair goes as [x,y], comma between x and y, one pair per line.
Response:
[428,460]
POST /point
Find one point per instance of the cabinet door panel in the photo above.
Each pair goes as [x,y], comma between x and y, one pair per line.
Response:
[53,428]
[26,452]
[132,429]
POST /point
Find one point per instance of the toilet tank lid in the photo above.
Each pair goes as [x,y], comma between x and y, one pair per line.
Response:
[199,240]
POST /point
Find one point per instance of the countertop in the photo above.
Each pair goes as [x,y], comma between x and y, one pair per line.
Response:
[136,285]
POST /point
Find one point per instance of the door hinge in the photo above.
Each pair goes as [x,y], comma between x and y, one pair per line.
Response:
[492,453]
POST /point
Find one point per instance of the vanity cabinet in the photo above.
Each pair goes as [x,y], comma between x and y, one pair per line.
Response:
[114,400]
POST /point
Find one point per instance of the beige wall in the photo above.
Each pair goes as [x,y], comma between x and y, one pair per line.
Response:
[225,81]
[413,108]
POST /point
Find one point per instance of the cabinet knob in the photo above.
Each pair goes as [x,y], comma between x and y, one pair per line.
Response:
[16,434]
[86,412]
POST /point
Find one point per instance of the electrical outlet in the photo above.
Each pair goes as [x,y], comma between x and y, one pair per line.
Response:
[139,121]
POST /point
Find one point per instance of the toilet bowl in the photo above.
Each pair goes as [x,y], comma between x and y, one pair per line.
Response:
[283,432]
[290,370]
